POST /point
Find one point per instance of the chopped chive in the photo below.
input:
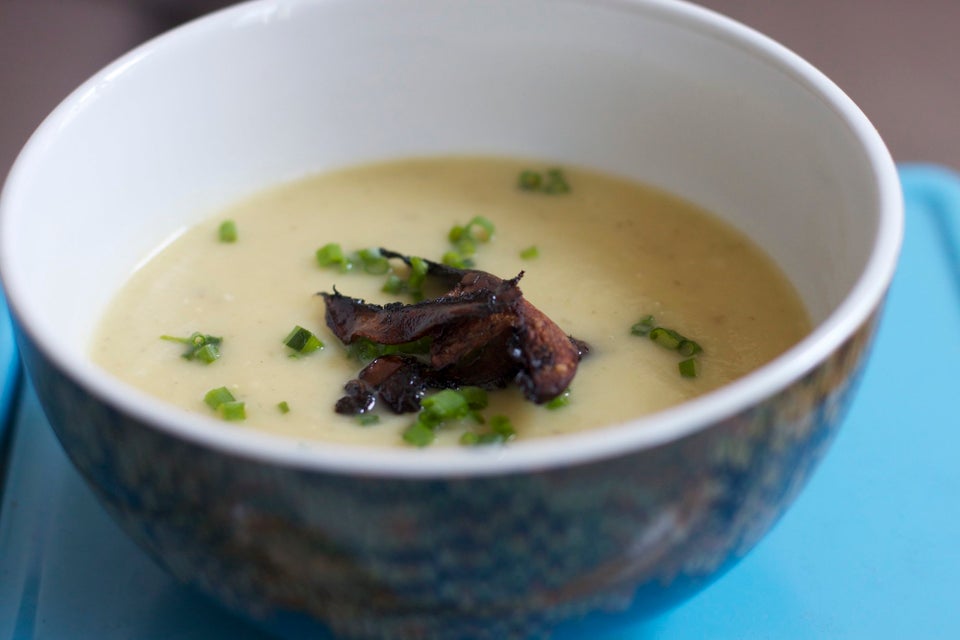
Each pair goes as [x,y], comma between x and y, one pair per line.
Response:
[200,346]
[446,405]
[372,261]
[302,340]
[501,430]
[530,253]
[476,397]
[418,273]
[485,225]
[529,180]
[455,260]
[465,239]
[394,284]
[232,410]
[556,182]
[418,434]
[559,402]
[216,397]
[501,425]
[689,368]
[553,181]
[456,232]
[331,255]
[283,407]
[367,419]
[227,231]
[689,348]
[667,338]
[207,353]
[644,326]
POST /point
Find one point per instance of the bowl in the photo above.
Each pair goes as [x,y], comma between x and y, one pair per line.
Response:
[537,538]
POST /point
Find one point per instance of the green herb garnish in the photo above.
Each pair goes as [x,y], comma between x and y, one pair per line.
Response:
[559,402]
[223,402]
[673,340]
[644,326]
[227,232]
[500,431]
[367,419]
[529,180]
[465,239]
[689,368]
[552,181]
[667,338]
[200,346]
[443,407]
[283,407]
[331,255]
[530,253]
[302,341]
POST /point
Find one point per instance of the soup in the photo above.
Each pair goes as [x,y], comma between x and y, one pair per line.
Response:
[606,259]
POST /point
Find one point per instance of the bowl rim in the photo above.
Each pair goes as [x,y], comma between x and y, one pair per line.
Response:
[611,441]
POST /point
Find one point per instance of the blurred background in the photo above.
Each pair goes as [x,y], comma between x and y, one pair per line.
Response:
[898,59]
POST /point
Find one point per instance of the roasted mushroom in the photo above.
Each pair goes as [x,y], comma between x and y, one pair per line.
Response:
[482,332]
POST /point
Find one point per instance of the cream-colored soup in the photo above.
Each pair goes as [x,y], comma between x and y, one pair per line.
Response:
[610,252]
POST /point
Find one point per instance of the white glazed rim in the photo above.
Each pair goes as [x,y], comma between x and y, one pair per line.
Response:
[525,456]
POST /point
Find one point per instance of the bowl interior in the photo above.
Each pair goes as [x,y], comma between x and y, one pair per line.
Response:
[662,92]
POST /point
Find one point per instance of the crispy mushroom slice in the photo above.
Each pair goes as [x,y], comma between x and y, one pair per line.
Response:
[483,332]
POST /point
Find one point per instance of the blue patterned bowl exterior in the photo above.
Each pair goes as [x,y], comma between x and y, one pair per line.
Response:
[525,555]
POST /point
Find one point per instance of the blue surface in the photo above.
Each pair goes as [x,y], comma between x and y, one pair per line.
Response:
[9,366]
[871,549]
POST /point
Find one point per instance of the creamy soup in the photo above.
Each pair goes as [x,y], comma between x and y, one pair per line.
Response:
[607,254]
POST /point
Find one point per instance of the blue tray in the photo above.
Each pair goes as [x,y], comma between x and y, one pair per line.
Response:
[870,550]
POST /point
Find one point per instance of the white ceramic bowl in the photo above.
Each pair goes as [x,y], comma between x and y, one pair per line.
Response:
[445,543]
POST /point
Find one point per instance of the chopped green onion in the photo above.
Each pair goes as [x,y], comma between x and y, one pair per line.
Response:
[501,430]
[227,231]
[372,261]
[394,284]
[233,410]
[418,434]
[456,260]
[667,338]
[207,353]
[529,180]
[689,368]
[367,419]
[552,181]
[465,239]
[689,348]
[501,425]
[446,405]
[216,397]
[530,253]
[476,397]
[223,402]
[200,346]
[644,326]
[450,405]
[559,402]
[556,182]
[486,227]
[331,255]
[670,339]
[283,407]
[302,340]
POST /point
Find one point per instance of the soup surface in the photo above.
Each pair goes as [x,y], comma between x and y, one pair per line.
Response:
[608,253]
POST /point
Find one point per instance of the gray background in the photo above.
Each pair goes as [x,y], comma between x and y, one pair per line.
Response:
[898,59]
